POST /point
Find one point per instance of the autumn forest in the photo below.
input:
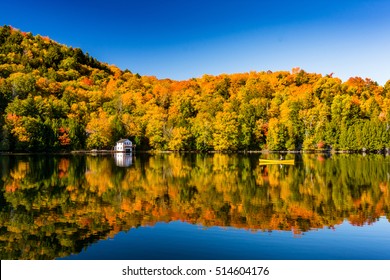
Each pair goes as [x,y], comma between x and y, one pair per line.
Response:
[58,98]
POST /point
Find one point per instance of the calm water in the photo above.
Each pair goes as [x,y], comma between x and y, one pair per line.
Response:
[192,206]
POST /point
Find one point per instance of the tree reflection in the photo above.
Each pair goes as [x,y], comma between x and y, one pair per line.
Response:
[56,206]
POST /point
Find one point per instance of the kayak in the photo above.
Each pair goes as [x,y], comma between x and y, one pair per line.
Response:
[276,161]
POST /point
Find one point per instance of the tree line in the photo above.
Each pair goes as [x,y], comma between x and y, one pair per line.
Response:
[54,98]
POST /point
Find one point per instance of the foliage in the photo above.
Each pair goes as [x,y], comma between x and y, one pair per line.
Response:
[48,89]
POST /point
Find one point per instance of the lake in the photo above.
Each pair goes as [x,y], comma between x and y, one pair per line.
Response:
[195,206]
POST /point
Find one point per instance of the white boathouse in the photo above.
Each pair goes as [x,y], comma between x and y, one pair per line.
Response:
[124,146]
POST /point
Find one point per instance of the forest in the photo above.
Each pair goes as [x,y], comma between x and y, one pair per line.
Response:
[59,98]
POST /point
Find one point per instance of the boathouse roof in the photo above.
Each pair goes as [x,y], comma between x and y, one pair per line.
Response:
[123,140]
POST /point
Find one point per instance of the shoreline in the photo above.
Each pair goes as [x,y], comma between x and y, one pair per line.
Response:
[111,152]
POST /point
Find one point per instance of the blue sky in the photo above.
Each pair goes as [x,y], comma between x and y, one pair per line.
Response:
[181,39]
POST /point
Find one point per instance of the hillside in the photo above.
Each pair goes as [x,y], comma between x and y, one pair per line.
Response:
[53,97]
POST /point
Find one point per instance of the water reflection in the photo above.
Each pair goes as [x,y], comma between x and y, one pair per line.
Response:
[56,206]
[123,159]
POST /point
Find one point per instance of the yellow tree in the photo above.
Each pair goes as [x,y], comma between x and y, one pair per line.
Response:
[277,135]
[180,139]
[225,136]
[99,130]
